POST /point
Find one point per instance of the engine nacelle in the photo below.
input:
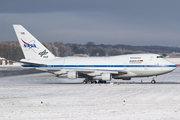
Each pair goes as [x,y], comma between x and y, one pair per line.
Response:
[126,78]
[72,75]
[106,76]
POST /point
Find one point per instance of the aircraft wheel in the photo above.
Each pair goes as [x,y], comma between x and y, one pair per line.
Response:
[100,81]
[153,81]
[85,82]
[89,82]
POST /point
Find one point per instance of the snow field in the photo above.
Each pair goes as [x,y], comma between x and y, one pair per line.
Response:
[21,97]
[79,101]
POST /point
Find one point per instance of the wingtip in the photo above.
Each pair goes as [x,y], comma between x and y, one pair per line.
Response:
[17,25]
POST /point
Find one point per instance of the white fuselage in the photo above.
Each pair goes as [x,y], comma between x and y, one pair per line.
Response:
[136,65]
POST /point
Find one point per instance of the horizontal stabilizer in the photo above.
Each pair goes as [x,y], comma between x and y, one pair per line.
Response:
[27,63]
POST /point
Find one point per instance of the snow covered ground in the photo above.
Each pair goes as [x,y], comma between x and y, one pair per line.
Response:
[43,96]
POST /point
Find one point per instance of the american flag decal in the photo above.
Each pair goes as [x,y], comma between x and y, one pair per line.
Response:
[22,33]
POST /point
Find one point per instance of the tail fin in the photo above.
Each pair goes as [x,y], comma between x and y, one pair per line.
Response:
[30,46]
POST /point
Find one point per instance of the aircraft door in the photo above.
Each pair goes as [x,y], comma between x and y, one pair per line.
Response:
[125,66]
[64,62]
[146,66]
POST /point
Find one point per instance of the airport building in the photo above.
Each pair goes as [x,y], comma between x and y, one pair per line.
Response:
[4,62]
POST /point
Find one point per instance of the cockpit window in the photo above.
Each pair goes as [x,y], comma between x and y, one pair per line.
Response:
[160,56]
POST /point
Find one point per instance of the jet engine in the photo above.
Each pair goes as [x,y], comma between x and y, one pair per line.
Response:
[72,75]
[106,76]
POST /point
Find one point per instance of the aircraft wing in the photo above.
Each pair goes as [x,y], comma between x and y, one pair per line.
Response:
[28,63]
[89,72]
[101,70]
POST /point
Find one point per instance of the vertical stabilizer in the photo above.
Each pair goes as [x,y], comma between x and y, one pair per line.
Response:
[30,46]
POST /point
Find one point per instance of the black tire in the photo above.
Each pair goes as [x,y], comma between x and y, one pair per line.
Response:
[85,82]
[100,81]
[153,81]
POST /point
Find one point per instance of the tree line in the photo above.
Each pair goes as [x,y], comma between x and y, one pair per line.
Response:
[12,50]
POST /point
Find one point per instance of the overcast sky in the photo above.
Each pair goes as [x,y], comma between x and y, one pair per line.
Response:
[131,22]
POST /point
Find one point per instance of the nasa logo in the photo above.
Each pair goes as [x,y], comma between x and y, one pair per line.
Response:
[43,53]
[30,44]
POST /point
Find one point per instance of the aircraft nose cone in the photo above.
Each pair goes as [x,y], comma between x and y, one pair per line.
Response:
[173,67]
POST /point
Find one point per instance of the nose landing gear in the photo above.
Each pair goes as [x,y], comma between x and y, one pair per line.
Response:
[153,81]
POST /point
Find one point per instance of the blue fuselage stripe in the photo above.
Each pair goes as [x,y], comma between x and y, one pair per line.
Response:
[101,66]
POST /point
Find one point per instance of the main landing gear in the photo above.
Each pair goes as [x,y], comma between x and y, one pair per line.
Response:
[91,81]
[153,81]
[101,81]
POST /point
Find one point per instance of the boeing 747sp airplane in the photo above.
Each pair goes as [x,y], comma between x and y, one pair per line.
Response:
[92,69]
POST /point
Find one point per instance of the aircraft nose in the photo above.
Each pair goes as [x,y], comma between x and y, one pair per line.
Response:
[173,67]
